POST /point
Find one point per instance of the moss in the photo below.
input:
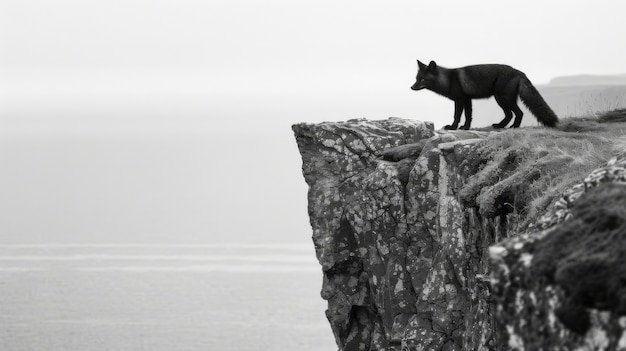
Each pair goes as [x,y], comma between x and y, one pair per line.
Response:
[406,151]
[618,115]
[497,165]
[584,256]
[525,170]
[580,125]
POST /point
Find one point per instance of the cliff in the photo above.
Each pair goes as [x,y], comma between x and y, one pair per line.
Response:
[468,240]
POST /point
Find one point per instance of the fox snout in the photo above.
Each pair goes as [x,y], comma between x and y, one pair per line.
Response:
[417,86]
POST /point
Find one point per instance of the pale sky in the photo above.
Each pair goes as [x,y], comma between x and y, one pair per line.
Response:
[228,54]
[92,83]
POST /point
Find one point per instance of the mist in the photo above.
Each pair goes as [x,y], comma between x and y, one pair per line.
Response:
[170,121]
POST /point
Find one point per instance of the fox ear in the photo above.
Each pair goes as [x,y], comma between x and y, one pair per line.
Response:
[420,64]
[432,65]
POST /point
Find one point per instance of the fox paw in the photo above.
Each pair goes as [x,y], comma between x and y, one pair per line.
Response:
[465,127]
[449,127]
[497,126]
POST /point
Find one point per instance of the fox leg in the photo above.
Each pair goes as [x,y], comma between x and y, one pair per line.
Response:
[458,109]
[508,114]
[518,116]
[468,114]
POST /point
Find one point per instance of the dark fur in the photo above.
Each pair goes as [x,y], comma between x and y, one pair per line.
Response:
[503,82]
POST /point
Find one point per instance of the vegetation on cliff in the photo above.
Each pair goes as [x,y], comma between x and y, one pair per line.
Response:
[525,170]
[436,239]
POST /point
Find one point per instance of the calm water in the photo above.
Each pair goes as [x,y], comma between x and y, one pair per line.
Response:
[137,297]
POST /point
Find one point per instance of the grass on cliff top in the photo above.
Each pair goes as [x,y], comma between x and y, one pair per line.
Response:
[523,171]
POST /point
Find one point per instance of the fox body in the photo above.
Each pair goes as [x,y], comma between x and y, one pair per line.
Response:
[503,82]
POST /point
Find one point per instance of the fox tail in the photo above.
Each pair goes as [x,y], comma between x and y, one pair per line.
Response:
[536,104]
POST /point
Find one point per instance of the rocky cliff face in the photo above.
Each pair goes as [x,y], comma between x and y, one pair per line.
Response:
[563,287]
[404,221]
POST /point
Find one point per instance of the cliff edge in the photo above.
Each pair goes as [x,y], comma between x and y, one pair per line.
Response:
[468,240]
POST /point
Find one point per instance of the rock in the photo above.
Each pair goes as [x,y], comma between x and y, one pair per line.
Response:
[564,287]
[356,207]
[466,240]
[389,276]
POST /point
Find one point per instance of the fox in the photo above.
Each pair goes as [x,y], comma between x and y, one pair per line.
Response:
[505,83]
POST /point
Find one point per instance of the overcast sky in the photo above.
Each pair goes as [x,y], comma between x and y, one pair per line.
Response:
[248,52]
[235,75]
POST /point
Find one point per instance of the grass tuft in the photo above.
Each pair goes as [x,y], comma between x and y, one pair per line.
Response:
[524,170]
[614,116]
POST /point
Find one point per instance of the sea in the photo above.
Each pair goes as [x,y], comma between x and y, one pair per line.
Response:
[222,297]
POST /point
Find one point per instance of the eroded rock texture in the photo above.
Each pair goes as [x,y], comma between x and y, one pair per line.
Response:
[564,287]
[391,235]
[357,212]
[422,244]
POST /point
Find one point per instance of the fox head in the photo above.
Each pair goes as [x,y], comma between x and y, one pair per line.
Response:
[426,75]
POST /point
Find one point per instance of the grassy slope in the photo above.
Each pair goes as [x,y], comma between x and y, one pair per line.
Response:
[523,171]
